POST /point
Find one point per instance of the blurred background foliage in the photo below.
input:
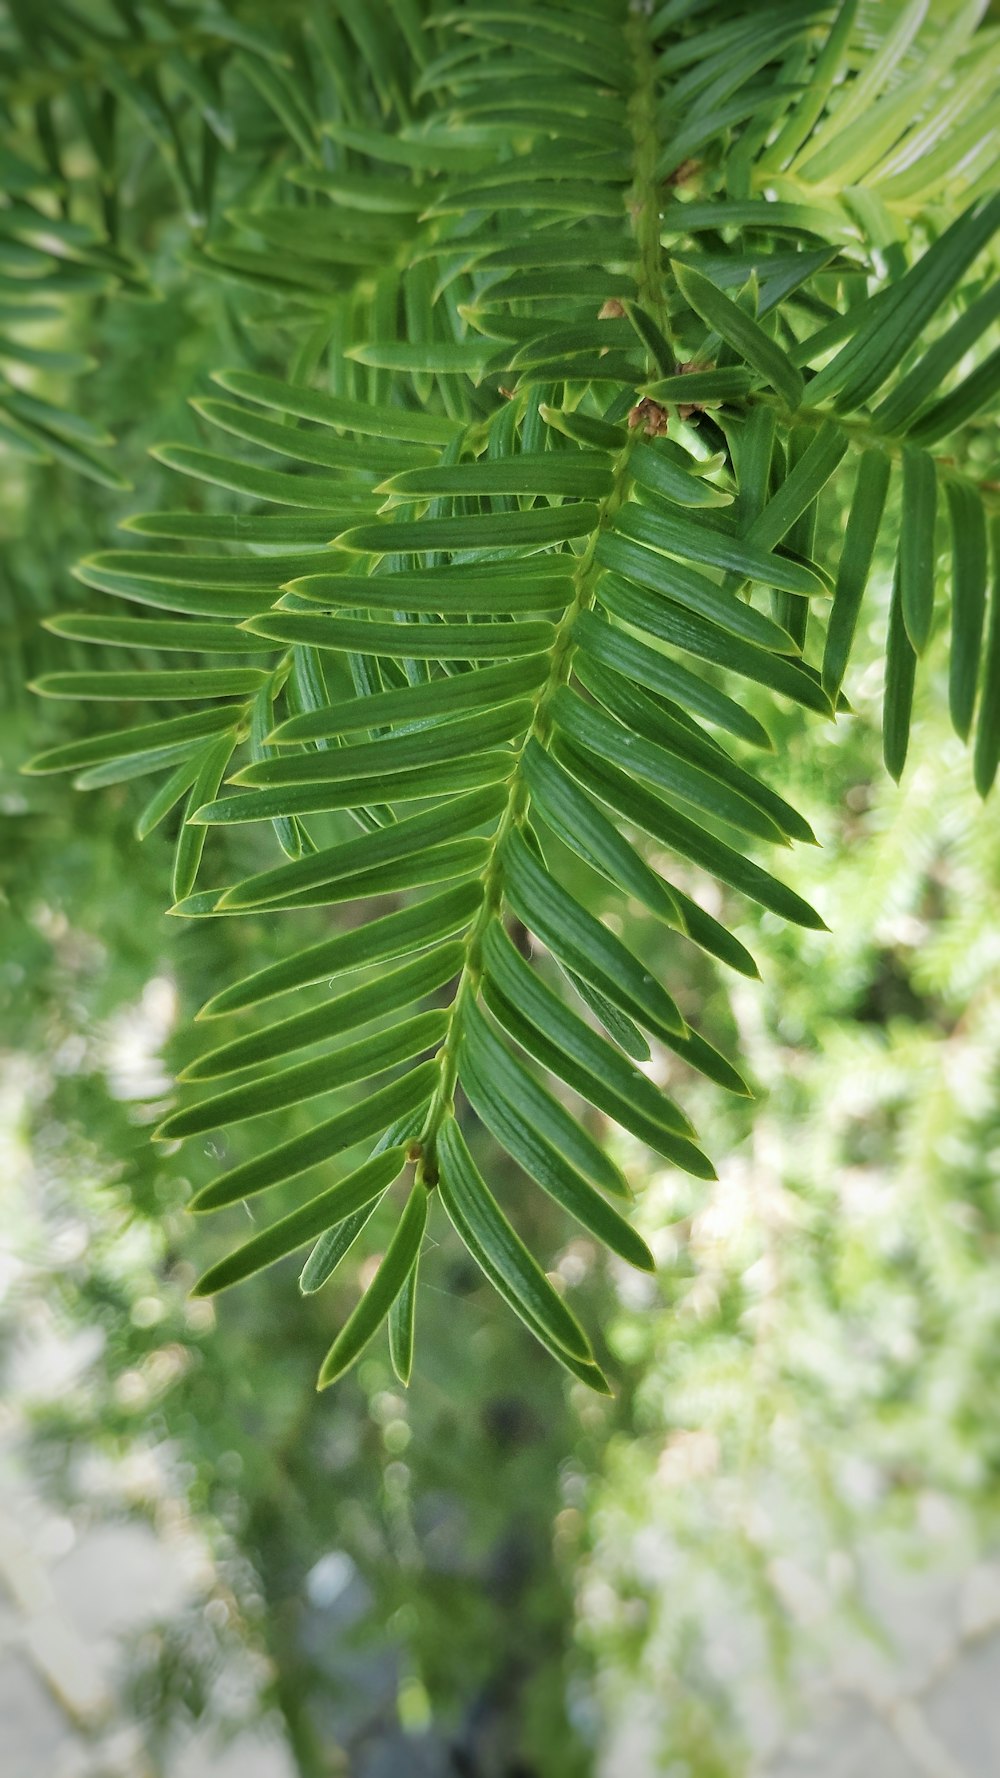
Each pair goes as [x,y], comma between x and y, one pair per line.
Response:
[500,1575]
[496,1571]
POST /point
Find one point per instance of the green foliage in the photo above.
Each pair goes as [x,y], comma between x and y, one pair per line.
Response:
[590,306]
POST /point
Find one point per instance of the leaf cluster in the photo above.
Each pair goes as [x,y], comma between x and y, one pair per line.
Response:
[493,602]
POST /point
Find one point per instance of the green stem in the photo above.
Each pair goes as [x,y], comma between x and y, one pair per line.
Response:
[862,436]
[539,729]
[645,195]
[644,206]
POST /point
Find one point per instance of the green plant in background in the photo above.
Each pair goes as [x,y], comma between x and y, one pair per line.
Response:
[856,1222]
[827,1308]
[600,316]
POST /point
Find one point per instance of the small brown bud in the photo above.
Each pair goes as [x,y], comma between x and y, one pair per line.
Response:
[650,416]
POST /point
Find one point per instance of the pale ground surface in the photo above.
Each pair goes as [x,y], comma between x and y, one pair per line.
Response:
[928,1706]
[69,1606]
[76,1598]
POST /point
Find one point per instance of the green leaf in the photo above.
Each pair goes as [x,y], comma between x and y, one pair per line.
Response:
[359,1006]
[697,1053]
[283,94]
[235,573]
[681,535]
[373,1113]
[854,567]
[391,935]
[434,864]
[687,630]
[457,738]
[684,836]
[296,278]
[917,560]
[898,315]
[725,382]
[571,1044]
[166,595]
[284,530]
[493,1061]
[191,839]
[977,391]
[332,1247]
[325,795]
[770,215]
[922,383]
[657,347]
[754,449]
[573,474]
[335,410]
[600,641]
[548,282]
[458,151]
[582,943]
[479,689]
[617,1024]
[500,1252]
[816,90]
[675,581]
[329,1208]
[167,796]
[583,429]
[900,672]
[401,1326]
[547,1167]
[581,247]
[136,765]
[706,932]
[968,601]
[141,632]
[364,456]
[662,724]
[124,742]
[740,331]
[198,682]
[341,249]
[340,241]
[599,367]
[293,1086]
[480,589]
[496,530]
[591,728]
[45,442]
[667,470]
[364,191]
[321,491]
[987,749]
[30,407]
[370,851]
[466,358]
[582,827]
[856,104]
[800,487]
[673,1148]
[585,338]
[456,642]
[400,1260]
